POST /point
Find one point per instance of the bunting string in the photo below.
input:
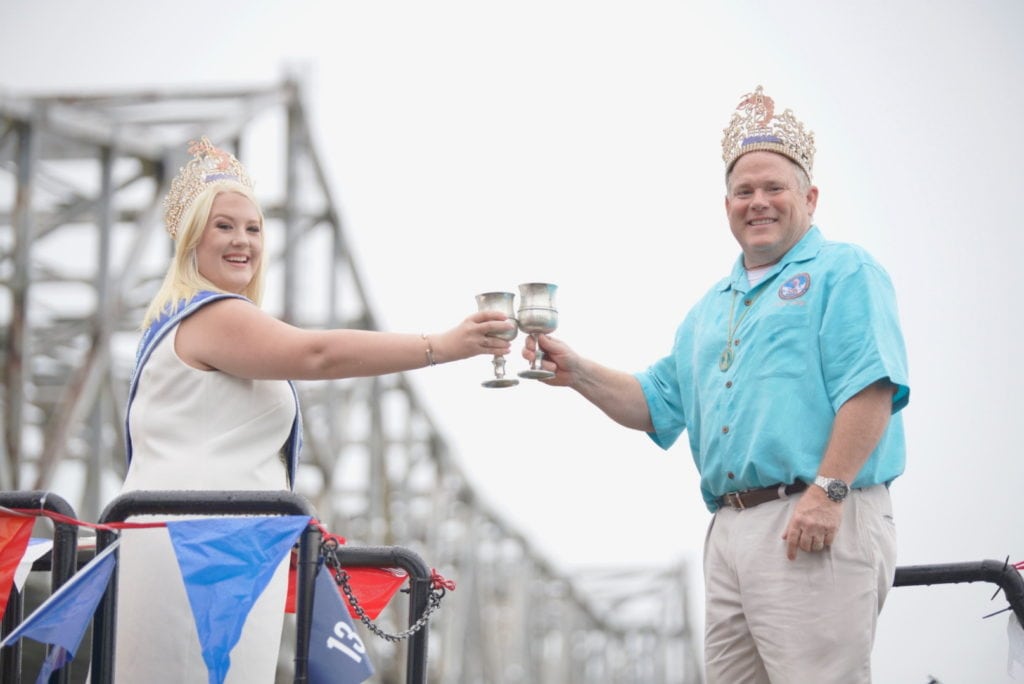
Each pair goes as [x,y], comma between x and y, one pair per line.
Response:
[437,580]
[114,526]
[68,520]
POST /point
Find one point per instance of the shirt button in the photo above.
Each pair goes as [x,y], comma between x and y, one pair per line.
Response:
[736,342]
[725,429]
[728,384]
[730,475]
[747,302]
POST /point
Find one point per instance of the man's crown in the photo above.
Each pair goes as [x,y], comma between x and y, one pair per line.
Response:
[754,126]
[208,164]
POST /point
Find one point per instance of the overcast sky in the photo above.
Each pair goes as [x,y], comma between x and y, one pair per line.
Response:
[477,145]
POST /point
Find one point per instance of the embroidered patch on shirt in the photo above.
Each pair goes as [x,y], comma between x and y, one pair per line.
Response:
[795,287]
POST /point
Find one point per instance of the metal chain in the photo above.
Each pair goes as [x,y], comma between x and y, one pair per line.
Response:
[329,549]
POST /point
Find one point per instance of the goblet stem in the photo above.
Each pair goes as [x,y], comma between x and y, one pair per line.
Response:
[499,366]
[539,357]
[536,370]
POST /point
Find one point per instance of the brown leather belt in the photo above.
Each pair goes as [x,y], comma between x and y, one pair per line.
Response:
[753,497]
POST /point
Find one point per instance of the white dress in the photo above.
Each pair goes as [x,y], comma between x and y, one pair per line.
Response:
[196,430]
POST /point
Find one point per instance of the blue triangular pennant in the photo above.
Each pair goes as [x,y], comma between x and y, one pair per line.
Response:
[63,618]
[226,564]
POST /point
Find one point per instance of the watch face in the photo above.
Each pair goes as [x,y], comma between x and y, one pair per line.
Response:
[837,490]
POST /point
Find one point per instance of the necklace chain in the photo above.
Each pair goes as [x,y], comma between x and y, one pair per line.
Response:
[726,359]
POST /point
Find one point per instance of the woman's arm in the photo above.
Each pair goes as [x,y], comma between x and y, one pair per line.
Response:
[236,337]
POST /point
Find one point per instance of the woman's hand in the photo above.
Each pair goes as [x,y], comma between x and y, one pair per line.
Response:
[473,336]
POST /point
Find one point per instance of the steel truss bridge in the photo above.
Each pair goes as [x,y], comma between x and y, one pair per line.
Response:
[82,250]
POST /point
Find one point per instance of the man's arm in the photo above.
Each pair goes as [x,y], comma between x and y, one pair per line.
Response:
[615,392]
[859,425]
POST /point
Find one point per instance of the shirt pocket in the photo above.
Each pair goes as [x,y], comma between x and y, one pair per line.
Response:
[784,344]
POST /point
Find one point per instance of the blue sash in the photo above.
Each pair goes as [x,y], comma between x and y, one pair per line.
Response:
[158,330]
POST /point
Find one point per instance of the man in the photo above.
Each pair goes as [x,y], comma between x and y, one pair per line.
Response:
[788,377]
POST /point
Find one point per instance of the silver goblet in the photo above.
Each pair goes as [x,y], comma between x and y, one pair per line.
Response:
[537,315]
[503,302]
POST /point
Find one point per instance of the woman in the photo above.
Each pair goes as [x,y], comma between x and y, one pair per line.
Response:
[211,407]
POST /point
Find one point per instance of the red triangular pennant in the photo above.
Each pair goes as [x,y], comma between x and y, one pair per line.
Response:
[15,531]
[372,587]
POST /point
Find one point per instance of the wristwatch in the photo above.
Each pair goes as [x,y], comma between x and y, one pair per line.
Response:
[835,489]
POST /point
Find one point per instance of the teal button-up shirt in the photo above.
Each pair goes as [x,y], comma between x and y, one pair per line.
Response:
[819,327]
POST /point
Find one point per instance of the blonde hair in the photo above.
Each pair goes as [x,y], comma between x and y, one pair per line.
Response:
[183,279]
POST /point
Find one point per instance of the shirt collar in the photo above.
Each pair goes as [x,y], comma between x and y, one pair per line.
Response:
[806,248]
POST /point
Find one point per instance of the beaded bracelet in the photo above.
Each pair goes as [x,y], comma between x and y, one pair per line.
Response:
[429,350]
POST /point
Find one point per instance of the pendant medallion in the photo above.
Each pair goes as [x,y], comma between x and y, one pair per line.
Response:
[725,360]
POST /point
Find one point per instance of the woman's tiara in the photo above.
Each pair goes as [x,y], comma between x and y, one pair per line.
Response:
[208,165]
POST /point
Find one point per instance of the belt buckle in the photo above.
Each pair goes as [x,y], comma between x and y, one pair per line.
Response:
[735,500]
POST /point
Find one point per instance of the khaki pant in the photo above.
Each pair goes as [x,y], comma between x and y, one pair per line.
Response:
[769,619]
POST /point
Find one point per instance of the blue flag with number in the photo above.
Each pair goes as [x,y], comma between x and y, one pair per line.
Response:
[226,564]
[336,653]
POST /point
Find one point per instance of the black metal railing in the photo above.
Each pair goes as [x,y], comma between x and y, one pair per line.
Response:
[62,563]
[1001,573]
[211,503]
[218,503]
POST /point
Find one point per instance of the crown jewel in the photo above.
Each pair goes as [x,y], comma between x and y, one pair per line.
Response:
[208,164]
[754,126]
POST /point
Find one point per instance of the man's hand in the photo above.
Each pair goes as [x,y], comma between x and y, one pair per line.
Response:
[814,524]
[558,358]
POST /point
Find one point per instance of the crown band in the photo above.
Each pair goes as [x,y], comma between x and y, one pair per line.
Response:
[760,138]
[754,127]
[209,164]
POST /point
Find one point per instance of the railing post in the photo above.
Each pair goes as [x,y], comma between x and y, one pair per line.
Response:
[63,564]
[419,594]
